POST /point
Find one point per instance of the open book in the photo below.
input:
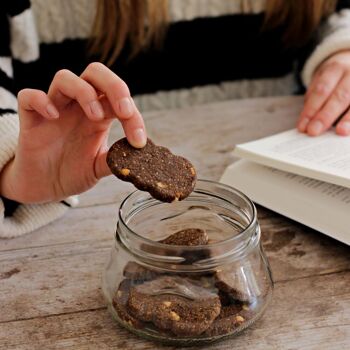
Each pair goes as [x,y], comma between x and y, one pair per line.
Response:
[287,180]
[325,158]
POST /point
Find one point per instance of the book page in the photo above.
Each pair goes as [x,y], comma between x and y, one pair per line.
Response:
[326,157]
[322,206]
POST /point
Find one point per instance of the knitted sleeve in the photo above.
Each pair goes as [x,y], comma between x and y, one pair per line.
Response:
[18,41]
[334,36]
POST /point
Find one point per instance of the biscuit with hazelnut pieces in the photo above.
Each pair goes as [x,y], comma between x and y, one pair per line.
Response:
[120,304]
[154,169]
[175,304]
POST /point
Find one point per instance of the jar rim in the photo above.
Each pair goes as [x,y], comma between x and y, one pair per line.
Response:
[248,230]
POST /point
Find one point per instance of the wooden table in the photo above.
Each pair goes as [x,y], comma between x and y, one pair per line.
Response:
[50,280]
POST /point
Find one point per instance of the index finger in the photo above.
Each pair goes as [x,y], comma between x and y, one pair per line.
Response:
[118,95]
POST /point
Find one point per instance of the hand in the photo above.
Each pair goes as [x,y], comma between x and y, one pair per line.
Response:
[62,143]
[328,97]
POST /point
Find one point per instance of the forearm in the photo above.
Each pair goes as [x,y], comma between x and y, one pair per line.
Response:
[334,36]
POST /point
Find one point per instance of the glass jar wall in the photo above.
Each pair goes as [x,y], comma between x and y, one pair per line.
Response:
[188,295]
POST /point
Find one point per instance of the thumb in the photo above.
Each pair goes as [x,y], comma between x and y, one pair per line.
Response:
[101,167]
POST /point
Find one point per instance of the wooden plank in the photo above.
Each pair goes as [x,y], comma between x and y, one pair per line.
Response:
[306,313]
[37,279]
[42,287]
[77,225]
[296,251]
[206,135]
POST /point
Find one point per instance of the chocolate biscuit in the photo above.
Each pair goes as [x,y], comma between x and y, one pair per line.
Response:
[228,319]
[187,237]
[135,271]
[154,169]
[225,298]
[120,300]
[236,286]
[175,304]
[190,237]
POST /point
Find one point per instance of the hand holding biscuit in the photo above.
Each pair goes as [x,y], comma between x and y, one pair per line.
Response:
[62,143]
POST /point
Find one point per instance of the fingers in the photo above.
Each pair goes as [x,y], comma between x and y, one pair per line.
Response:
[66,86]
[29,101]
[117,92]
[115,99]
[336,104]
[118,95]
[134,130]
[319,91]
[343,127]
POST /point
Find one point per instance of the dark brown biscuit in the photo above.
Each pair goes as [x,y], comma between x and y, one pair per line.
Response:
[120,304]
[229,318]
[188,237]
[225,298]
[176,304]
[135,271]
[247,312]
[154,169]
[229,283]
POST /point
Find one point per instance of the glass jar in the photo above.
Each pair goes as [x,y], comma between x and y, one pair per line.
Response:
[188,295]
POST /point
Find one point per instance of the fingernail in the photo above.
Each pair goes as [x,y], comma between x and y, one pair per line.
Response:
[52,111]
[345,127]
[96,109]
[126,107]
[315,127]
[303,124]
[139,138]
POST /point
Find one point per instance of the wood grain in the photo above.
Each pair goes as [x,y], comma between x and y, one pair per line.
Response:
[50,295]
[306,313]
